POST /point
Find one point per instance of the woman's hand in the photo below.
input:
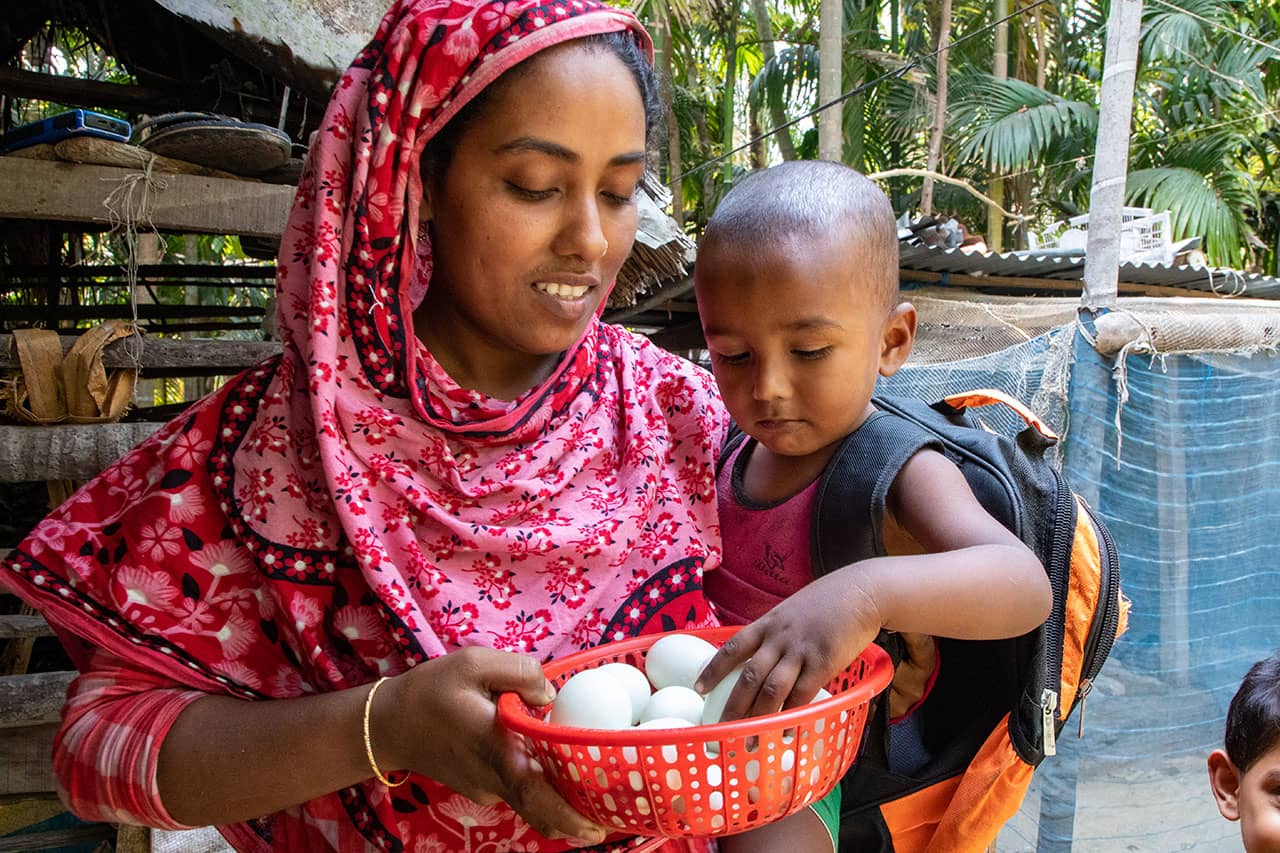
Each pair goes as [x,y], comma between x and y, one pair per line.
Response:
[440,719]
[796,648]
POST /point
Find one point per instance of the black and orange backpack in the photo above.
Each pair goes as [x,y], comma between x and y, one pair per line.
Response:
[996,707]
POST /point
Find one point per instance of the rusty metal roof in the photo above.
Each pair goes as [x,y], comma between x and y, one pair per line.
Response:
[1060,266]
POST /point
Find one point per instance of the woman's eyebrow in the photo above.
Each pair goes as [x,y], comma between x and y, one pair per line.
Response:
[559,152]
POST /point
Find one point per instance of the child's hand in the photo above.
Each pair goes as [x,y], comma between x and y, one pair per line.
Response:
[796,648]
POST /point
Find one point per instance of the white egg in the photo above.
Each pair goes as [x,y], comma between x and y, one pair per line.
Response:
[665,723]
[820,695]
[635,684]
[676,702]
[592,700]
[717,697]
[676,660]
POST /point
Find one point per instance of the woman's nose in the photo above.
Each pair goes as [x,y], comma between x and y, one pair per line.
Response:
[582,234]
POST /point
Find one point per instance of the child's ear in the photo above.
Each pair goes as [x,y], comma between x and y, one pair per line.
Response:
[1224,779]
[898,336]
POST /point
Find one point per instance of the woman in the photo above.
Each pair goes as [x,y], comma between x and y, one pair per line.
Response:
[373,535]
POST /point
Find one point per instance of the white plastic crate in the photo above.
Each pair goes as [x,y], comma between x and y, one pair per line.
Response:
[1145,236]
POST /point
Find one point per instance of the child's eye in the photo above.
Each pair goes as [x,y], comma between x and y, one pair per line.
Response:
[731,358]
[811,354]
[529,194]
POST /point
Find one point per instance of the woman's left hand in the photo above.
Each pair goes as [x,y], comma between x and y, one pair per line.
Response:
[795,649]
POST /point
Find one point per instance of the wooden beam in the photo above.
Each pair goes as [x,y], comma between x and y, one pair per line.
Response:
[58,839]
[143,311]
[66,452]
[76,92]
[70,192]
[1072,286]
[216,273]
[210,357]
[33,699]
[19,627]
[25,765]
[666,294]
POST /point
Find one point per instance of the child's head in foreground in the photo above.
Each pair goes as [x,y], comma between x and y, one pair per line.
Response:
[1245,776]
[797,285]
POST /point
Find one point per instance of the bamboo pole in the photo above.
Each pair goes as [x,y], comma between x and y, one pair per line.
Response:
[1111,160]
[830,41]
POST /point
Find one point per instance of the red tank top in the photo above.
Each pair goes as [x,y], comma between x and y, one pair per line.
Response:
[766,546]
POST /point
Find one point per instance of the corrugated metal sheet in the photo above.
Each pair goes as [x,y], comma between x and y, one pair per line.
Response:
[1065,267]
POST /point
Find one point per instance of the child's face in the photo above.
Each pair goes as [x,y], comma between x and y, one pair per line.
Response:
[796,340]
[1253,798]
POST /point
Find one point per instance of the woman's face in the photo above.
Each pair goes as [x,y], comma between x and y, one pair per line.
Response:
[535,214]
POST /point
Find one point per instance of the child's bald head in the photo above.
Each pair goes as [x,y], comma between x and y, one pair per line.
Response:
[803,203]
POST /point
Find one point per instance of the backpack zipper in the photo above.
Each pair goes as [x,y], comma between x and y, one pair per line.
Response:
[1102,631]
[1060,578]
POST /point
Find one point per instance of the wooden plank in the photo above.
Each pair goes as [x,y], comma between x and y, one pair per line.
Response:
[67,451]
[143,311]
[70,192]
[210,356]
[25,760]
[57,839]
[33,699]
[1072,286]
[217,272]
[78,92]
[133,839]
[17,626]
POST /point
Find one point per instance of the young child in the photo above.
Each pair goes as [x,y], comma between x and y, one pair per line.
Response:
[797,286]
[1245,777]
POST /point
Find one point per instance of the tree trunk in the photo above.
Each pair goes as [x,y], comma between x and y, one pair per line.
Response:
[674,161]
[730,88]
[1000,70]
[703,132]
[939,107]
[1111,161]
[756,156]
[777,110]
[1042,51]
[830,40]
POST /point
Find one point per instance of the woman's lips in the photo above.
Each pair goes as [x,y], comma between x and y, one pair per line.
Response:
[566,301]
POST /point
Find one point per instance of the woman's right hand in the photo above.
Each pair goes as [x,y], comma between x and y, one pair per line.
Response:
[440,719]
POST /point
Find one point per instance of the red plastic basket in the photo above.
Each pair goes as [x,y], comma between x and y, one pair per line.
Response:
[702,781]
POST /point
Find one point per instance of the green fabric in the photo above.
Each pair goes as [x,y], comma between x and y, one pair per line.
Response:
[828,809]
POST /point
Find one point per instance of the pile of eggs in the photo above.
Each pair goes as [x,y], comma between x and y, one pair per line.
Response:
[619,696]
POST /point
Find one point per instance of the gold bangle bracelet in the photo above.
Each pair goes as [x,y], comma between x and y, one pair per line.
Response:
[368,743]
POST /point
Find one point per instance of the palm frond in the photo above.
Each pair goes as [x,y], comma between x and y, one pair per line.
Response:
[1011,123]
[1211,206]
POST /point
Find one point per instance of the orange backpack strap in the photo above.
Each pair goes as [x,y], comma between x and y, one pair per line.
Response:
[991,397]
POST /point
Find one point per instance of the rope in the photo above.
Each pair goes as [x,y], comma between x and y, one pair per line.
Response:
[128,205]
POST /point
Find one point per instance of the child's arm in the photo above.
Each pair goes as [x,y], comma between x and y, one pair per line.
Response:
[979,582]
